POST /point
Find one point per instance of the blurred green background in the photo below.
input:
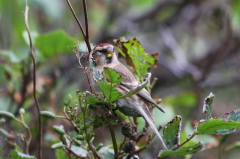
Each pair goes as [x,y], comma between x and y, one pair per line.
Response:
[199,52]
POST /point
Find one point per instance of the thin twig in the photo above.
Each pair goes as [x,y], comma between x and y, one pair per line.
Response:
[79,156]
[75,16]
[154,82]
[72,122]
[144,147]
[86,24]
[87,41]
[188,139]
[29,134]
[135,124]
[140,149]
[143,133]
[124,140]
[34,82]
[95,154]
[85,36]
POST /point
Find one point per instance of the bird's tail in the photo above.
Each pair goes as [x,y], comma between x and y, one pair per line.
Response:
[150,122]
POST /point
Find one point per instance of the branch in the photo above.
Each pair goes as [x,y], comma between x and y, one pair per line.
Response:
[87,41]
[140,149]
[78,156]
[75,16]
[114,141]
[135,124]
[143,133]
[86,36]
[34,82]
[124,140]
[188,139]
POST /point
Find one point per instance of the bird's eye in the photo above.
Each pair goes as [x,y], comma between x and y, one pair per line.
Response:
[102,51]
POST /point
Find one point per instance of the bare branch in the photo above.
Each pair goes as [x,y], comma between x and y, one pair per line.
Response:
[34,82]
[143,133]
[75,16]
[86,36]
[87,41]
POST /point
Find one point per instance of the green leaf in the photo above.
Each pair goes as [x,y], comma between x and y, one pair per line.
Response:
[136,57]
[93,99]
[182,151]
[79,150]
[171,132]
[15,154]
[232,116]
[207,106]
[75,148]
[54,42]
[17,148]
[225,131]
[107,152]
[109,91]
[213,126]
[60,154]
[111,78]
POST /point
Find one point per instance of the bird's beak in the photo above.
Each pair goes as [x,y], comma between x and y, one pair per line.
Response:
[110,54]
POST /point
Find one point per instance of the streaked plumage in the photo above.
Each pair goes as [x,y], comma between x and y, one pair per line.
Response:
[136,105]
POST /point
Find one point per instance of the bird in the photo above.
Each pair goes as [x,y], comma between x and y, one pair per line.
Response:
[137,105]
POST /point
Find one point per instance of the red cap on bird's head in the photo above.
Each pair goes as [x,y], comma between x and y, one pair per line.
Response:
[103,44]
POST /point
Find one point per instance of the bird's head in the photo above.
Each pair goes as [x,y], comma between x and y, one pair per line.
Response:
[104,54]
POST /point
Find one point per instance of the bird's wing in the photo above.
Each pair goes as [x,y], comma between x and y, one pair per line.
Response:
[127,75]
[145,95]
[130,82]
